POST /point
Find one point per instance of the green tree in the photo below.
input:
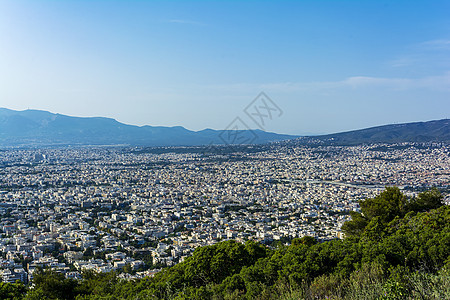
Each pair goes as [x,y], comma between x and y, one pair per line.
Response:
[52,285]
[101,284]
[385,206]
[425,201]
[306,240]
[12,291]
[356,226]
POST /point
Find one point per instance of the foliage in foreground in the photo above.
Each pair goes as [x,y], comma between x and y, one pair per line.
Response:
[396,248]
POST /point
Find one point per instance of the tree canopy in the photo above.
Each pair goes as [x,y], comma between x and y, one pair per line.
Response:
[389,204]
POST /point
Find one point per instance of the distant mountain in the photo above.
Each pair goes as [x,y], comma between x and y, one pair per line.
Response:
[41,128]
[432,131]
[33,128]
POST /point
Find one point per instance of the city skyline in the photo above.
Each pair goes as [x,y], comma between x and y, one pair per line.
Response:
[329,66]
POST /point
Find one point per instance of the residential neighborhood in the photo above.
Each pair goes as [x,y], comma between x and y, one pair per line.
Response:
[137,210]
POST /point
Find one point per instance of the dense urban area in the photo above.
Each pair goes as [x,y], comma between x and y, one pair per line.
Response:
[137,210]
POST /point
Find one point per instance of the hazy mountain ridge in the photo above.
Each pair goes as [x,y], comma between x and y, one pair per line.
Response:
[42,128]
[420,132]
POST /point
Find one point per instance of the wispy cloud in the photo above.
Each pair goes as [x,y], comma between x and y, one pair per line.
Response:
[428,53]
[404,61]
[189,22]
[365,81]
[434,83]
[439,82]
[440,44]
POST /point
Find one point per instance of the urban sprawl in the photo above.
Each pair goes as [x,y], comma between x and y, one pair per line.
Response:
[137,210]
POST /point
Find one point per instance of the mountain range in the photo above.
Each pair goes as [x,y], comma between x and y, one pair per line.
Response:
[41,128]
[420,132]
[32,128]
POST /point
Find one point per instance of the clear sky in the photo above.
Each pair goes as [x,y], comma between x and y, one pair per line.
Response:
[328,65]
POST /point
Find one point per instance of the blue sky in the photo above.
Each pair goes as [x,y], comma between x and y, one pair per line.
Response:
[328,65]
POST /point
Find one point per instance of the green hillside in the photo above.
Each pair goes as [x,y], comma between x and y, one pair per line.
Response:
[396,248]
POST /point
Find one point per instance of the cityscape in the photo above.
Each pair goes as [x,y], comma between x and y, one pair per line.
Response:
[137,210]
[224,150]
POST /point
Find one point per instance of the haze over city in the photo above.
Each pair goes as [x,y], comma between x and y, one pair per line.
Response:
[330,66]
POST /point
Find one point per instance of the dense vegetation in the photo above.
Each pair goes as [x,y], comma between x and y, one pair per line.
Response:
[395,248]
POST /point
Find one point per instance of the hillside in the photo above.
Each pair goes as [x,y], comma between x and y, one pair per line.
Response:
[431,131]
[40,128]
